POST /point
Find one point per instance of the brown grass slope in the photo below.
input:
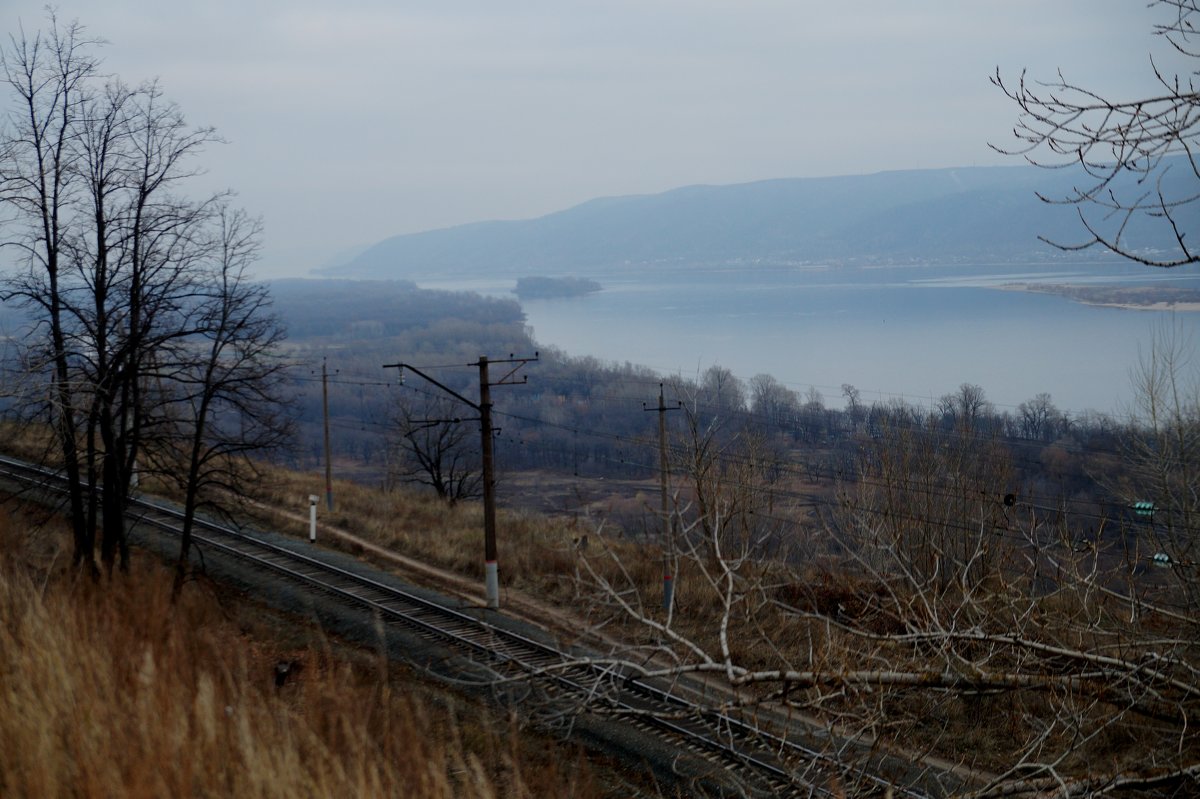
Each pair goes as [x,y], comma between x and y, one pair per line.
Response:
[106,689]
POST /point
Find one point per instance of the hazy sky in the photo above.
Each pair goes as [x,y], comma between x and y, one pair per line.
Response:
[354,120]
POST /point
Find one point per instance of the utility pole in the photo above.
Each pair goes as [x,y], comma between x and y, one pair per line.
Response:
[668,538]
[484,408]
[325,414]
[491,572]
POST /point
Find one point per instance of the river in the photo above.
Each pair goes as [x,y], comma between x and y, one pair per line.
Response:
[914,332]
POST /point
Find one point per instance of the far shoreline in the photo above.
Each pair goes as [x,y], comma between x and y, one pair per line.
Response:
[1131,298]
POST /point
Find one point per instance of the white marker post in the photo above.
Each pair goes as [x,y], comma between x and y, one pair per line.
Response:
[491,582]
[313,499]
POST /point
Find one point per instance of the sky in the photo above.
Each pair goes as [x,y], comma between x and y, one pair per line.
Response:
[347,122]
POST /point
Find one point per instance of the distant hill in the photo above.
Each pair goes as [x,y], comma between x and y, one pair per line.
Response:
[937,215]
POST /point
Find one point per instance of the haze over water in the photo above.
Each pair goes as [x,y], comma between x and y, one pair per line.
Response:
[915,332]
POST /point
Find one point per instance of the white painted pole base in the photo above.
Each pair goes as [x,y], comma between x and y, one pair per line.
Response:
[312,518]
[492,580]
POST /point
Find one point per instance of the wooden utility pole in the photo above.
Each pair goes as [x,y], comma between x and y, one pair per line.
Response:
[490,568]
[668,538]
[484,407]
[325,414]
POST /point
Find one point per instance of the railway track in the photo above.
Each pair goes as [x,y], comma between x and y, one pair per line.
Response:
[746,758]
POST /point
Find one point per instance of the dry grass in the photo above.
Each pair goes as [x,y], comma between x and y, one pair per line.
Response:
[536,552]
[109,690]
[540,555]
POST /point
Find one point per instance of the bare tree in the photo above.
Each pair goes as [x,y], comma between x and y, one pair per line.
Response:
[721,392]
[965,409]
[49,74]
[1140,157]
[854,406]
[435,448]
[1039,419]
[1162,449]
[772,402]
[117,270]
[220,388]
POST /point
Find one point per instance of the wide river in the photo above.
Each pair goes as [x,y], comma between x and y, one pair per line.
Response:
[911,332]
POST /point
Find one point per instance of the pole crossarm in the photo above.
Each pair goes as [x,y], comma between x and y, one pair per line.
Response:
[507,379]
[421,424]
[434,381]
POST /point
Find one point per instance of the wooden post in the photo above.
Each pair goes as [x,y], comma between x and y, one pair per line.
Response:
[325,413]
[490,566]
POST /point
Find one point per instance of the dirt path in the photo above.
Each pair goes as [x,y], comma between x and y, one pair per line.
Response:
[514,603]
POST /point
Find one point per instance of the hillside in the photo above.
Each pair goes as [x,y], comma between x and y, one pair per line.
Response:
[936,215]
[113,689]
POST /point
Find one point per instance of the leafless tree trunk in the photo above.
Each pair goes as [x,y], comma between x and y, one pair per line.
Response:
[49,75]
